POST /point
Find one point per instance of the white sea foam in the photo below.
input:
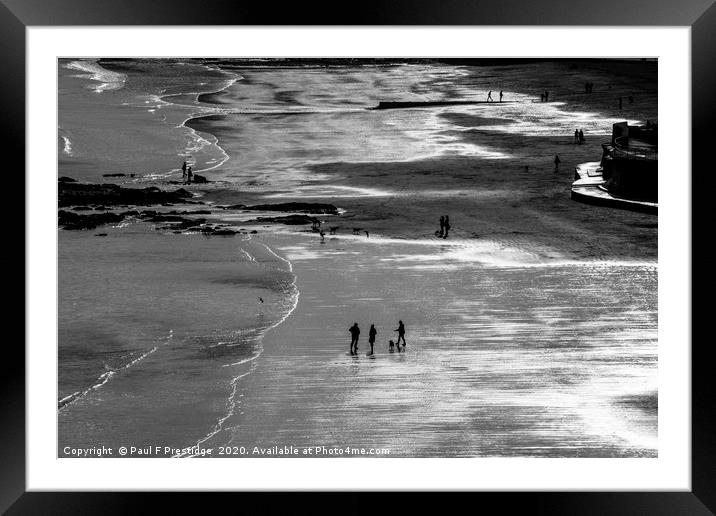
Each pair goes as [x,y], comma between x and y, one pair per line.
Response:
[107,376]
[231,401]
[107,79]
[68,146]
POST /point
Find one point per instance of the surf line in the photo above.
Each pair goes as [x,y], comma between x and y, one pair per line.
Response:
[204,112]
[107,376]
[231,401]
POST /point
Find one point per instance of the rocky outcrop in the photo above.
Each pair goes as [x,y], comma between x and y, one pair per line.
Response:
[292,220]
[71,220]
[111,195]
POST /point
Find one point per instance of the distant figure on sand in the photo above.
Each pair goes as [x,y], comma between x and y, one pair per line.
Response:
[183,171]
[581,136]
[501,95]
[576,136]
[447,226]
[371,337]
[557,161]
[442,224]
[355,332]
[541,97]
[546,96]
[189,175]
[401,334]
[391,346]
[323,235]
[489,96]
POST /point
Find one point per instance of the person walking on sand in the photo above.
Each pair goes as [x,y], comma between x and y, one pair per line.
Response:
[447,226]
[189,175]
[371,337]
[581,136]
[489,96]
[557,161]
[576,136]
[501,95]
[355,332]
[401,335]
[183,171]
[442,225]
[546,96]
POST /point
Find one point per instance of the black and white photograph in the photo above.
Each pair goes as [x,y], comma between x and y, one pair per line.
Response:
[357,257]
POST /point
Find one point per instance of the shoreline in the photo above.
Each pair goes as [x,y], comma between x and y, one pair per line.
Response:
[303,374]
[515,236]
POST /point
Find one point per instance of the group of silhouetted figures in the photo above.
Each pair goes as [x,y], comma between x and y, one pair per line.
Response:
[579,136]
[545,96]
[489,96]
[588,87]
[355,333]
[186,174]
[444,227]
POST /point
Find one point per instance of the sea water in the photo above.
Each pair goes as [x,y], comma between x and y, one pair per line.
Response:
[162,337]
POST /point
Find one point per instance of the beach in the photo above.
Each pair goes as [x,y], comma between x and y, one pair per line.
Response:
[531,329]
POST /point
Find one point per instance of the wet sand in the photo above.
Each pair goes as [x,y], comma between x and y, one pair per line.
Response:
[502,360]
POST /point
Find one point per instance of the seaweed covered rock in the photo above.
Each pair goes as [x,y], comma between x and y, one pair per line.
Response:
[72,193]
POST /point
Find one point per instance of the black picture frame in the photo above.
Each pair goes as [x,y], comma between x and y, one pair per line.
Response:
[700,15]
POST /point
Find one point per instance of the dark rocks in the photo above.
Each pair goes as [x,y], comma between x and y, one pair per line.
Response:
[65,179]
[75,221]
[114,175]
[113,195]
[101,234]
[224,231]
[292,220]
[235,207]
[301,207]
[199,179]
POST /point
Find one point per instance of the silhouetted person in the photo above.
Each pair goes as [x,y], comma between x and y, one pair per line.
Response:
[442,225]
[391,346]
[189,175]
[183,171]
[546,96]
[541,97]
[557,161]
[501,95]
[323,235]
[489,96]
[620,102]
[355,332]
[630,99]
[447,226]
[576,136]
[401,334]
[581,136]
[371,337]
